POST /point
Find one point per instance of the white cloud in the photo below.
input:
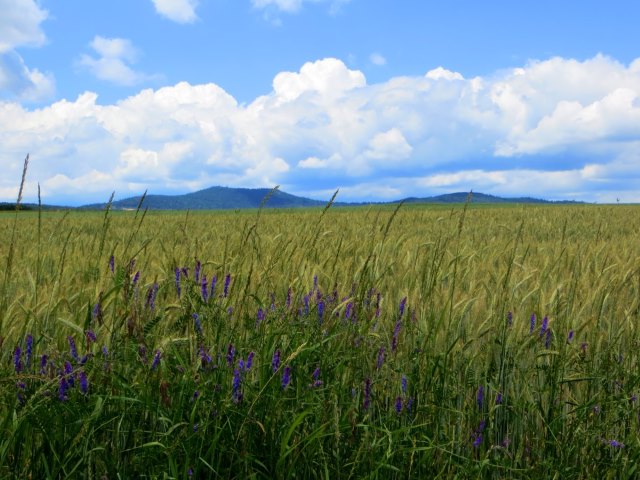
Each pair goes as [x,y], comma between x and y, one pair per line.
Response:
[180,11]
[377,59]
[114,61]
[20,24]
[534,130]
[24,83]
[292,6]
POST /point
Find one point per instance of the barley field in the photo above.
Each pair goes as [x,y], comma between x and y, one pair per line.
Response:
[462,341]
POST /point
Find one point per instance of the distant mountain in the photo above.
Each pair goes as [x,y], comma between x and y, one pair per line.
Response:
[219,198]
[214,198]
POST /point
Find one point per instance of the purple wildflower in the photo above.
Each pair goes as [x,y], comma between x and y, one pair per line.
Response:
[499,398]
[178,289]
[509,319]
[275,361]
[616,444]
[151,296]
[136,278]
[231,354]
[396,332]
[197,324]
[477,440]
[398,405]
[543,327]
[84,383]
[204,288]
[72,348]
[480,396]
[97,311]
[367,394]
[286,377]
[111,263]
[91,337]
[230,311]
[532,324]
[196,273]
[316,378]
[17,359]
[273,301]
[315,283]
[205,358]
[227,281]
[63,388]
[380,360]
[241,365]
[409,404]
[306,304]
[249,360]
[348,311]
[156,360]
[403,384]
[570,336]
[105,354]
[236,386]
[547,342]
[320,311]
[378,305]
[583,347]
[28,351]
[68,371]
[190,472]
[288,301]
[44,359]
[403,303]
[142,353]
[260,316]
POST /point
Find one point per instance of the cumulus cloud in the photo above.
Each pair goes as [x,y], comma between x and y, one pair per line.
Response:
[20,24]
[180,11]
[558,128]
[21,82]
[114,61]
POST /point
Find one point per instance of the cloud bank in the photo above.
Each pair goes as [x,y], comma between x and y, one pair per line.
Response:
[558,128]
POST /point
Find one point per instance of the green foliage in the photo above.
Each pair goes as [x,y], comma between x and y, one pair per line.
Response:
[170,394]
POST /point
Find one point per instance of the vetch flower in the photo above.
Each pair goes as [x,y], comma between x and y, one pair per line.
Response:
[543,327]
[17,359]
[275,361]
[196,273]
[532,323]
[197,324]
[509,319]
[616,444]
[249,360]
[260,316]
[63,388]
[111,263]
[214,280]
[403,384]
[84,383]
[499,398]
[316,378]
[142,353]
[227,281]
[44,359]
[178,289]
[68,372]
[72,348]
[156,360]
[204,289]
[136,278]
[288,301]
[380,360]
[570,336]
[348,311]
[90,336]
[151,296]
[320,311]
[547,342]
[306,304]
[403,303]
[236,386]
[96,313]
[231,353]
[396,332]
[286,377]
[398,405]
[28,351]
[205,358]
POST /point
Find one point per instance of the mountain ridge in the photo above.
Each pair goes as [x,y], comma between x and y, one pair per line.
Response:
[230,198]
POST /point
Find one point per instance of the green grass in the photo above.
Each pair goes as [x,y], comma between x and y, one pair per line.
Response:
[461,269]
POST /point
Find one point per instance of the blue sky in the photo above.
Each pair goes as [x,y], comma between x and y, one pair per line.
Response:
[381,99]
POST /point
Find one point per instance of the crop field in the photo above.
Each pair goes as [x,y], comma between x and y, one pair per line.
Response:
[459,341]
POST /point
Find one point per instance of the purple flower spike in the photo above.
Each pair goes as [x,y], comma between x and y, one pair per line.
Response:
[227,281]
[616,444]
[480,396]
[398,405]
[72,348]
[570,336]
[306,304]
[509,319]
[231,354]
[97,311]
[156,360]
[288,301]
[178,289]
[204,289]
[543,327]
[275,361]
[315,283]
[286,377]
[260,316]
[63,388]
[396,332]
[320,311]
[214,280]
[91,337]
[236,387]
[29,351]
[249,360]
[17,359]
[136,278]
[84,383]
[111,263]
[547,342]
[197,324]
[151,296]
[403,303]
[477,440]
[532,324]
[403,383]
[380,360]
[44,360]
[499,398]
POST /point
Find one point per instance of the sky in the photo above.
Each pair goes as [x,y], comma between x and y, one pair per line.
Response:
[381,99]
